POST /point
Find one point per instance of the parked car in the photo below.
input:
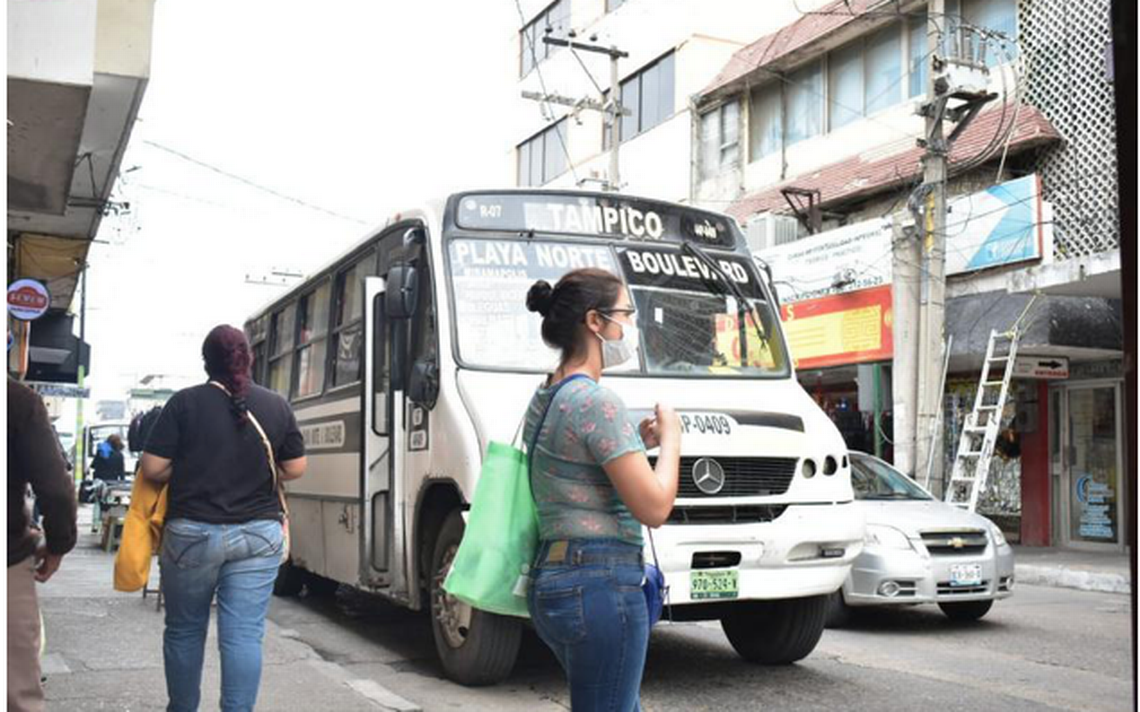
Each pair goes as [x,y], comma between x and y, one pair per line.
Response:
[919,549]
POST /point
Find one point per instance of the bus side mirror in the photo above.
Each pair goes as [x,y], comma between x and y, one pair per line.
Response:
[402,292]
[423,385]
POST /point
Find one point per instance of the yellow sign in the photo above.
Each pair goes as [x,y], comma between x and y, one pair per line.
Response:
[840,332]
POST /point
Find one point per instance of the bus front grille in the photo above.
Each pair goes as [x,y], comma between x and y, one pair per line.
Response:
[743,476]
[731,514]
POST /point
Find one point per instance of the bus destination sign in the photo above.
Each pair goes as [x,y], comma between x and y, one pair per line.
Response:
[594,216]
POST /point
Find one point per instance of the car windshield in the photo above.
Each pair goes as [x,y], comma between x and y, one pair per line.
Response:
[690,323]
[876,480]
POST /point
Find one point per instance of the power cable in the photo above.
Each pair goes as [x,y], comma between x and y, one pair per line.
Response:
[252,184]
[545,103]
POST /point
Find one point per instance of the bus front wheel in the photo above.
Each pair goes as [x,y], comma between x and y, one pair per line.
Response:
[475,647]
[776,632]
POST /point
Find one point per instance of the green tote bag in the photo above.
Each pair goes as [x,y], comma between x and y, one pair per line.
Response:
[490,568]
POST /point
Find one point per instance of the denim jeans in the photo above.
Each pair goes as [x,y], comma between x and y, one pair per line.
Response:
[239,563]
[586,603]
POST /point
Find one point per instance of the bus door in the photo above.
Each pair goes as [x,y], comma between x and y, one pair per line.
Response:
[376,465]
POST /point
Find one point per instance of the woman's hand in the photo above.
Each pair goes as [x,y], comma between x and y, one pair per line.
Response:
[649,434]
[667,425]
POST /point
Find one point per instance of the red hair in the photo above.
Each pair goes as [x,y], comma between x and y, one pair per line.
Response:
[228,359]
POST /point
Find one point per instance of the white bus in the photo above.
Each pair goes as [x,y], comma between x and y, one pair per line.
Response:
[407,355]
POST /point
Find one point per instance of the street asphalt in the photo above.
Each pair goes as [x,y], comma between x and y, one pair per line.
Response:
[1046,648]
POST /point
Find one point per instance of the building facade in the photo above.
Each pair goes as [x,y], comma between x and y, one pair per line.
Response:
[674,49]
[808,136]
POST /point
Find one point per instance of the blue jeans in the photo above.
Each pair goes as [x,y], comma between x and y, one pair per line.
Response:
[239,563]
[586,603]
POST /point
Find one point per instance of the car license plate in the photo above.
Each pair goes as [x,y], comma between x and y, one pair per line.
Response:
[965,574]
[714,584]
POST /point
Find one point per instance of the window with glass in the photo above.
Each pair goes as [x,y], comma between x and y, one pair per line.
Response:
[766,119]
[348,322]
[720,139]
[542,157]
[281,334]
[873,479]
[804,97]
[997,16]
[918,55]
[691,324]
[312,339]
[532,50]
[649,97]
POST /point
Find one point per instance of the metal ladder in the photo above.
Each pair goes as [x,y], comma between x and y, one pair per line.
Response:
[980,430]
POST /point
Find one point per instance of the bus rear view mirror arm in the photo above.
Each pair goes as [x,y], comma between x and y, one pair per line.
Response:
[402,292]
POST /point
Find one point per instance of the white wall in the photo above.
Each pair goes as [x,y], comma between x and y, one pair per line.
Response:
[52,41]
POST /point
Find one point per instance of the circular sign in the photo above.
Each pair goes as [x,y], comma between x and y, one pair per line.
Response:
[28,299]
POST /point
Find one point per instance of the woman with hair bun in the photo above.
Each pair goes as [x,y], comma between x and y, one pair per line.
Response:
[223,532]
[594,489]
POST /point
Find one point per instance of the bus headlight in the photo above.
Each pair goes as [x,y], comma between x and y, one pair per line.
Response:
[808,468]
[885,537]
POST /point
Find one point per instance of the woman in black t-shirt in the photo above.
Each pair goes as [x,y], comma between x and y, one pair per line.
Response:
[223,532]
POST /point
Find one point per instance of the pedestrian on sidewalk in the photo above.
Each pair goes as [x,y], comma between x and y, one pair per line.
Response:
[108,463]
[224,522]
[594,488]
[34,459]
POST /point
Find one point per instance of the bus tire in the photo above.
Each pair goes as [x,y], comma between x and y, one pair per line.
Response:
[290,580]
[776,632]
[476,648]
[966,610]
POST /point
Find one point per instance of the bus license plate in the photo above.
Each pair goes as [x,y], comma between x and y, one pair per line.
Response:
[713,584]
[965,574]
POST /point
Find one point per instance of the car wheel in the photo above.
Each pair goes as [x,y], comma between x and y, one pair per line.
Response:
[776,632]
[476,647]
[290,579]
[966,610]
[839,614]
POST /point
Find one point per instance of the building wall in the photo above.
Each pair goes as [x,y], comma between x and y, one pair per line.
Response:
[703,33]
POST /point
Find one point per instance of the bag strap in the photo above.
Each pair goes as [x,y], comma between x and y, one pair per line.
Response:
[542,421]
[268,450]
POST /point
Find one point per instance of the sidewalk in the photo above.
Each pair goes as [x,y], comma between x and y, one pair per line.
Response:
[104,650]
[1066,568]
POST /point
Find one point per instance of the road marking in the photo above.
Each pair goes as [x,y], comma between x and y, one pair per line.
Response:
[383,696]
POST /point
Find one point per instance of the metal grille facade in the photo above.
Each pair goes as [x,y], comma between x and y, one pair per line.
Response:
[1066,45]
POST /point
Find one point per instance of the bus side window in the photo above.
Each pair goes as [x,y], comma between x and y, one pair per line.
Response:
[348,324]
[281,336]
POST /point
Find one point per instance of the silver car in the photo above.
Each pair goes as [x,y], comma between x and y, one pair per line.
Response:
[920,550]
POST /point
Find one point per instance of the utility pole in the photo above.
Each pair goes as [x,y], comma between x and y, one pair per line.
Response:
[906,254]
[613,108]
[80,444]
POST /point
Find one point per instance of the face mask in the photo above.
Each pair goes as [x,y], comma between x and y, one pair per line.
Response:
[618,351]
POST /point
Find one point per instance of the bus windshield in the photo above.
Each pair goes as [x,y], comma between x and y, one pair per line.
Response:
[690,323]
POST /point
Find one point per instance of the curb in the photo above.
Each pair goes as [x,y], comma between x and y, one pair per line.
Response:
[1081,579]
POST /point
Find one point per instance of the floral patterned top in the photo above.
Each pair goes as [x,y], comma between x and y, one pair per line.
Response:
[587,426]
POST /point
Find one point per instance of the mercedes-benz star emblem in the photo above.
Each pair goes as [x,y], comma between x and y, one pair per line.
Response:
[708,475]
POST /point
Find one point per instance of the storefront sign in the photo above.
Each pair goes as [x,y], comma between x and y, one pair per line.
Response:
[28,299]
[1002,225]
[1044,367]
[841,329]
[61,390]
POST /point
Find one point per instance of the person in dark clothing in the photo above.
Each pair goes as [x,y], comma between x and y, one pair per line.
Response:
[140,428]
[108,463]
[33,460]
[223,530]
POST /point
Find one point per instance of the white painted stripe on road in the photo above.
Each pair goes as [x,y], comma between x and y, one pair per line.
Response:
[383,696]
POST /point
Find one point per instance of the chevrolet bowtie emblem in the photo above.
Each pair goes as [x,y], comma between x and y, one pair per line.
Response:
[708,475]
[957,542]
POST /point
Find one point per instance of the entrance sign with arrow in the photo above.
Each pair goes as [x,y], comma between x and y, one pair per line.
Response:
[1044,367]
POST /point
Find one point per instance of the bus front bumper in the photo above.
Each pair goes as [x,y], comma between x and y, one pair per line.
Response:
[806,551]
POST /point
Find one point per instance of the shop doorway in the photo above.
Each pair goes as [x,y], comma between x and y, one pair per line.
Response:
[1088,465]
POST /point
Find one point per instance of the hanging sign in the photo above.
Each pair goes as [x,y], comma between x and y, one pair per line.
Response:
[28,299]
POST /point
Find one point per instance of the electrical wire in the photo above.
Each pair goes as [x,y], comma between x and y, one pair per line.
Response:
[252,184]
[548,113]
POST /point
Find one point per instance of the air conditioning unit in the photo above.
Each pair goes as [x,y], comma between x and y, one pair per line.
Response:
[769,230]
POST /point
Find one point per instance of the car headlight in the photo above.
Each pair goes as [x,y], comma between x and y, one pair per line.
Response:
[998,536]
[885,537]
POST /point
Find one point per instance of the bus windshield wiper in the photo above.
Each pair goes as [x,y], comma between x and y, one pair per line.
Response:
[743,303]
